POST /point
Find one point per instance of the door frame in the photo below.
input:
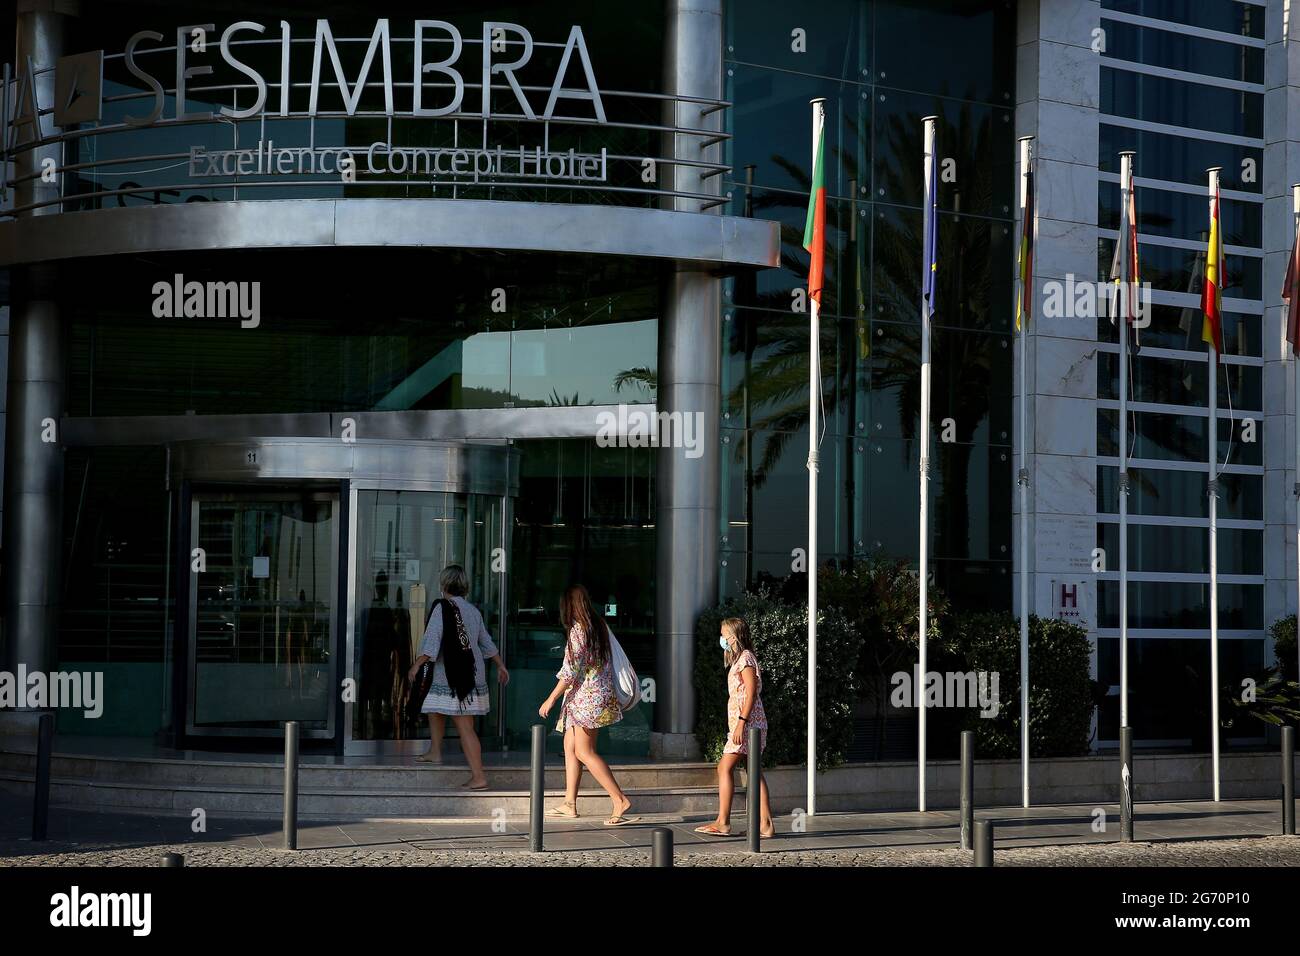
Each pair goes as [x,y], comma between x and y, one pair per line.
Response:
[277,492]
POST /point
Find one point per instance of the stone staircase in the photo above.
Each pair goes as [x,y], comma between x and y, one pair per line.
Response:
[331,791]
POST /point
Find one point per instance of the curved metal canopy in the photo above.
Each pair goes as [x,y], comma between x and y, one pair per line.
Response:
[687,237]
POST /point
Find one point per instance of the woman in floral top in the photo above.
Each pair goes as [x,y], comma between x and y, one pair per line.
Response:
[586,682]
[744,710]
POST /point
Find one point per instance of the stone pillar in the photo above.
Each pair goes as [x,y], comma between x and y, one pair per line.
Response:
[687,509]
[1057,101]
[33,487]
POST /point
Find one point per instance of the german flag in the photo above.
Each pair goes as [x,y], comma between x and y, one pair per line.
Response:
[1024,299]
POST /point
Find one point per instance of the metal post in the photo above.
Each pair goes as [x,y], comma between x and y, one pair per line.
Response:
[1126,784]
[41,796]
[661,847]
[928,124]
[291,784]
[537,788]
[984,843]
[814,440]
[1026,296]
[1288,781]
[172,859]
[1212,356]
[967,787]
[753,790]
[1124,309]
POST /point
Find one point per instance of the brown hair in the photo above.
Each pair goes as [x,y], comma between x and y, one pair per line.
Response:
[576,608]
[739,632]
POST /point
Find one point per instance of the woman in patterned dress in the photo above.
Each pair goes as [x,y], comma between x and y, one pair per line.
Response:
[442,701]
[744,710]
[586,682]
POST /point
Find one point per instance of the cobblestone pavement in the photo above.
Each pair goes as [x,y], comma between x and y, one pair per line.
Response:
[1252,852]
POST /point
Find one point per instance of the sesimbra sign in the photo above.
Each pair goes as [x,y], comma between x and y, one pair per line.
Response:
[507,49]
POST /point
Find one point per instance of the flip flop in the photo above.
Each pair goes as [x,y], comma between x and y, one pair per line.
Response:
[466,786]
[564,811]
[711,829]
[621,821]
[425,758]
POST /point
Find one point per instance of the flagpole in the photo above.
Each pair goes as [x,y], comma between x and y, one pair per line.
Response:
[814,401]
[1126,187]
[1026,290]
[923,623]
[1295,371]
[1213,491]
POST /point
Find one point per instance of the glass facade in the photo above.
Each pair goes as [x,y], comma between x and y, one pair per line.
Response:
[1214,87]
[877,93]
[310,580]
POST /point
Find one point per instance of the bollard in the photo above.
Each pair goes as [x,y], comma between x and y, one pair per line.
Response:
[967,787]
[1126,784]
[172,859]
[1288,781]
[661,847]
[753,790]
[537,789]
[983,842]
[291,784]
[41,796]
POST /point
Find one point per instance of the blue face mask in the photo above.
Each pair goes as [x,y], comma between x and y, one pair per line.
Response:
[723,643]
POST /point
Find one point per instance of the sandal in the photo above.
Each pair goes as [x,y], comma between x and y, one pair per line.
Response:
[621,821]
[567,811]
[427,757]
[712,829]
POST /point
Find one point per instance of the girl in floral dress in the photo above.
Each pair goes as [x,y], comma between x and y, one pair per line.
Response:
[744,710]
[586,682]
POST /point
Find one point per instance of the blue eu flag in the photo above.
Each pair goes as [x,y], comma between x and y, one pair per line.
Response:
[929,280]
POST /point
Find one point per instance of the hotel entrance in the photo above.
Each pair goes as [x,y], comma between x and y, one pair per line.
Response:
[309,573]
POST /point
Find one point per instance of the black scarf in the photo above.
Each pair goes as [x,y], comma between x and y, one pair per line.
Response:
[457,657]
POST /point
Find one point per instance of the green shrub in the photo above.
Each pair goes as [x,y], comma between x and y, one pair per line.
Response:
[1061,692]
[1283,634]
[780,633]
[881,598]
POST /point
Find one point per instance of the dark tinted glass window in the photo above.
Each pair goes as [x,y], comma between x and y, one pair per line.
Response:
[1158,99]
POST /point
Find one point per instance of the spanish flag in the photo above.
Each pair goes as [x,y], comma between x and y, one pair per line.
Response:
[1212,287]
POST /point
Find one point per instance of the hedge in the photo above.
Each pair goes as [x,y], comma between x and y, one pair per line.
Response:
[1061,692]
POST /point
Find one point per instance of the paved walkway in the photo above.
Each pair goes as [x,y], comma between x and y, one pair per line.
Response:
[1191,833]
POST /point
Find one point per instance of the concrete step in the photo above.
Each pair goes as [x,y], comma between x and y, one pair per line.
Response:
[330,791]
[352,803]
[413,776]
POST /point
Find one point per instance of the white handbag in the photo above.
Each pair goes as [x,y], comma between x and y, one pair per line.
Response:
[626,684]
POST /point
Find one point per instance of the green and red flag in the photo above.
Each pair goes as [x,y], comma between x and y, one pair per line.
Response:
[1212,286]
[814,230]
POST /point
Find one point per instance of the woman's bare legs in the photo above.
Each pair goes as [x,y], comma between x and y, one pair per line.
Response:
[437,723]
[572,768]
[473,750]
[585,748]
[726,789]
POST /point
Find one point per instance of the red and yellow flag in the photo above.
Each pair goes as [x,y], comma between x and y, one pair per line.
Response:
[1291,295]
[1212,286]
